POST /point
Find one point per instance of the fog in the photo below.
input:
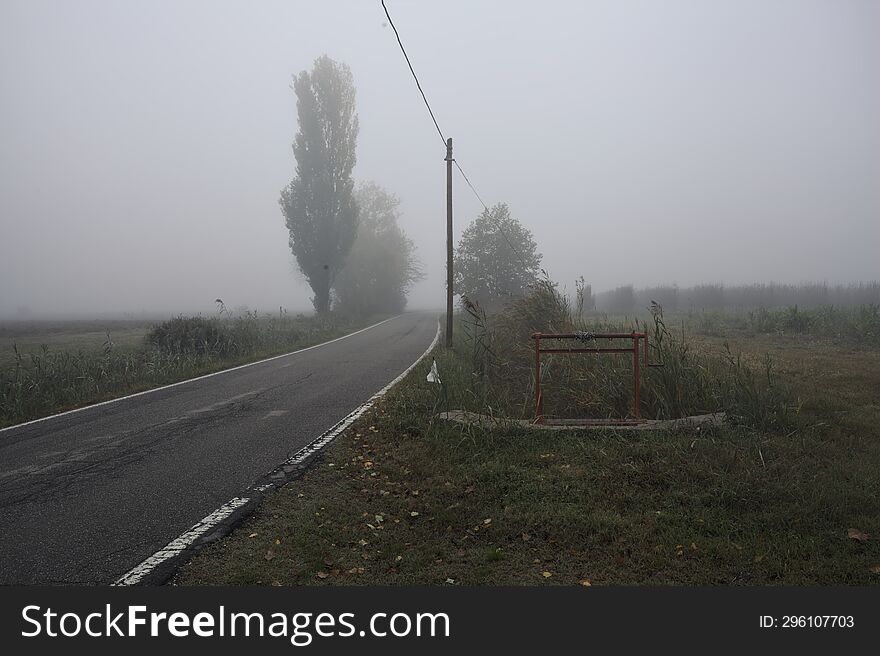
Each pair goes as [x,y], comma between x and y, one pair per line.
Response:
[143,145]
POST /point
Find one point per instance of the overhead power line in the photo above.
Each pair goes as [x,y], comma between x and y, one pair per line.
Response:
[427,104]
[415,77]
[461,170]
[443,139]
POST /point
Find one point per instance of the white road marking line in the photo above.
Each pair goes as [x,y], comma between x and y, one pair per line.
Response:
[192,380]
[186,540]
[180,544]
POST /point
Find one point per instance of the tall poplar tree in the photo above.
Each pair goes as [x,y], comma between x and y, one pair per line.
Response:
[319,205]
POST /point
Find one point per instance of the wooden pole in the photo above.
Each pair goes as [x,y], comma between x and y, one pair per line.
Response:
[449,161]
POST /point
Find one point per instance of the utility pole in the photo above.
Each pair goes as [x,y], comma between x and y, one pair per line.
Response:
[449,161]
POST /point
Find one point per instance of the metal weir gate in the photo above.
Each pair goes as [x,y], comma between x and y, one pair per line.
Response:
[639,360]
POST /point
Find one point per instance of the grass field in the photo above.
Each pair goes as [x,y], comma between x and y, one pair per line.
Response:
[88,336]
[402,498]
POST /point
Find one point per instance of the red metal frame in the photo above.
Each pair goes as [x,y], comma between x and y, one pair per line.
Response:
[636,337]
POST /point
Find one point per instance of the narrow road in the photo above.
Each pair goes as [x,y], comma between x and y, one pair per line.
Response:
[86,496]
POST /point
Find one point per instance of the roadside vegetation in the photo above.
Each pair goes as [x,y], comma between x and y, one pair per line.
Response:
[689,382]
[70,368]
[784,493]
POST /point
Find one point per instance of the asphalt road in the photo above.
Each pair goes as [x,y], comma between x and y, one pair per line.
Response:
[86,496]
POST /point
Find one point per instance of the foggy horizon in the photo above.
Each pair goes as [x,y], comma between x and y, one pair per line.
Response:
[145,145]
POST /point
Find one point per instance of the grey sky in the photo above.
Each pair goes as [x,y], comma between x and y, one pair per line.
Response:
[143,145]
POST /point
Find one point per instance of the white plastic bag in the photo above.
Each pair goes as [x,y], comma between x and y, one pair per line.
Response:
[433,376]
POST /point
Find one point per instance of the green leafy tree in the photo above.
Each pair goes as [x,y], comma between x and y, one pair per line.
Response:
[497,257]
[382,265]
[318,205]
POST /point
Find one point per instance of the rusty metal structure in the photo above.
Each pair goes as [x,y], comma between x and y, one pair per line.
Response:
[640,359]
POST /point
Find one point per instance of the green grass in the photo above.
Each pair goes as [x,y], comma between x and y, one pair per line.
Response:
[403,499]
[859,326]
[73,336]
[55,367]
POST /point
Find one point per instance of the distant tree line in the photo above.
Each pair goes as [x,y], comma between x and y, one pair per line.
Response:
[626,298]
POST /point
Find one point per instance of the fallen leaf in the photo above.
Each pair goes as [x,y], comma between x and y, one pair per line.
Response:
[277,540]
[526,537]
[586,582]
[546,575]
[399,558]
[487,521]
[322,575]
[269,555]
[414,514]
[856,534]
[379,519]
[253,535]
[450,581]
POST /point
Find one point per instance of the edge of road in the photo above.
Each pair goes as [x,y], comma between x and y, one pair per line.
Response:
[191,380]
[159,567]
